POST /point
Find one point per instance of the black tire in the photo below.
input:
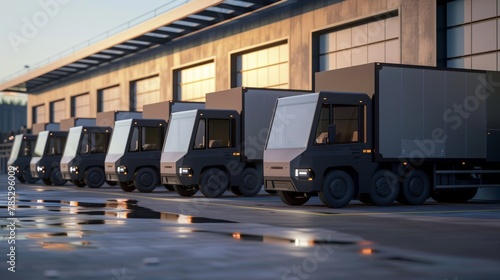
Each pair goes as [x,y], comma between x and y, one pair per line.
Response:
[56,177]
[21,179]
[293,198]
[79,183]
[94,177]
[186,191]
[416,187]
[214,182]
[337,189]
[384,187]
[169,187]
[27,176]
[47,181]
[111,183]
[146,180]
[365,198]
[126,186]
[251,182]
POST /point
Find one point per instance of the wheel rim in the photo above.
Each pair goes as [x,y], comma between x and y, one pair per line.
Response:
[382,187]
[146,180]
[416,187]
[95,177]
[250,182]
[338,188]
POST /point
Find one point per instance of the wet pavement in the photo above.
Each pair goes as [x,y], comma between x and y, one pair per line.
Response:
[71,233]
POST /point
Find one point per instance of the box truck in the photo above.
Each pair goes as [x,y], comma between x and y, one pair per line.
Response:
[220,147]
[83,158]
[133,157]
[384,132]
[48,151]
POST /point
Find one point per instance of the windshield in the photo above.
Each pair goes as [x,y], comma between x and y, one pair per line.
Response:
[119,137]
[179,131]
[41,142]
[72,142]
[292,122]
[16,146]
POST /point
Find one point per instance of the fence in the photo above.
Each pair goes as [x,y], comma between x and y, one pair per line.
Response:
[4,156]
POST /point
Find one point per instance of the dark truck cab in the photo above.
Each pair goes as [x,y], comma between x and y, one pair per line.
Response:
[133,152]
[44,163]
[220,147]
[83,159]
[402,137]
[20,157]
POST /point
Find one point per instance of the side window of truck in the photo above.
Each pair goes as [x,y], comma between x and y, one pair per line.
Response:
[346,119]
[84,145]
[98,143]
[150,138]
[199,140]
[134,140]
[219,133]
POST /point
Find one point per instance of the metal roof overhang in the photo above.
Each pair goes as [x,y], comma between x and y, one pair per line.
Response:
[179,22]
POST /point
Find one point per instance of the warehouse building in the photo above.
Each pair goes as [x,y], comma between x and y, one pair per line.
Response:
[207,45]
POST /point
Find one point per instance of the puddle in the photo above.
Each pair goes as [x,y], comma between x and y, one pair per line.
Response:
[67,246]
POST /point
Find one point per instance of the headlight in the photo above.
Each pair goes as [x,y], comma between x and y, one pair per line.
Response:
[122,169]
[304,174]
[16,168]
[185,171]
[73,169]
[40,169]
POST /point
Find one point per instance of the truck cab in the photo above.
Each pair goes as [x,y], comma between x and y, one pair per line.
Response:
[201,146]
[48,152]
[314,136]
[134,152]
[83,159]
[20,156]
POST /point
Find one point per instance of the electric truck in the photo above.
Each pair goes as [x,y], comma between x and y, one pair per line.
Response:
[384,132]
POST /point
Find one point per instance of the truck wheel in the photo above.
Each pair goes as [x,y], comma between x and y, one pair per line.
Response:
[47,181]
[56,177]
[21,179]
[384,188]
[146,180]
[337,189]
[293,198]
[185,191]
[126,186]
[111,183]
[94,177]
[169,187]
[251,182]
[416,187]
[214,182]
[27,176]
[79,183]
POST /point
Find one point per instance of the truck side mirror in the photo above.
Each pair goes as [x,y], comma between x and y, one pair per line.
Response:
[332,132]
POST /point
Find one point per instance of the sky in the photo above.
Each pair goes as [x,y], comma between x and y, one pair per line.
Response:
[35,30]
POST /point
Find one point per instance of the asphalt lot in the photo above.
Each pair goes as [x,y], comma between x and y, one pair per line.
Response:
[71,233]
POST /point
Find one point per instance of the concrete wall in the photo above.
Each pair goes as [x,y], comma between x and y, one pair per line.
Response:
[296,24]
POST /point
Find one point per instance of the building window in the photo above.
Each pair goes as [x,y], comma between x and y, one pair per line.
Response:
[38,114]
[266,67]
[57,111]
[473,34]
[80,105]
[375,39]
[143,92]
[194,82]
[108,99]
